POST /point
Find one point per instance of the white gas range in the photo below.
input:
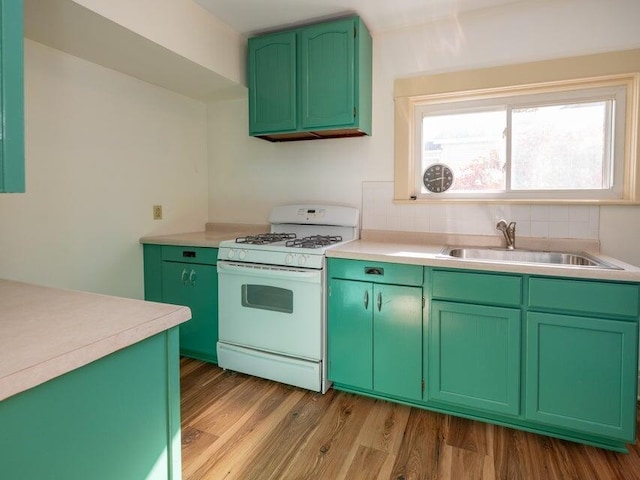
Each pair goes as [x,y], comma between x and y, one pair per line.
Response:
[271,294]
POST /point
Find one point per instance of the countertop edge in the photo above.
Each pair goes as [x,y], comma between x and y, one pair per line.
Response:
[42,372]
[428,256]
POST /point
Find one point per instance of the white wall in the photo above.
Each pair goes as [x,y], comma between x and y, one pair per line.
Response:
[101,149]
[249,176]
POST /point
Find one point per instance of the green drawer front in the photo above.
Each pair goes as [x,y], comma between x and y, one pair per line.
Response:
[618,299]
[477,287]
[207,256]
[378,272]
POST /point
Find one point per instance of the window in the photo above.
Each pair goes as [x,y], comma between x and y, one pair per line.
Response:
[567,144]
[562,130]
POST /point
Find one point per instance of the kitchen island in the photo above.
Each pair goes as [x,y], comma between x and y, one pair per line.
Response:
[89,385]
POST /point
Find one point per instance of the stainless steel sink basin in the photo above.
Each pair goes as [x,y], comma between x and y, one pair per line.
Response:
[498,255]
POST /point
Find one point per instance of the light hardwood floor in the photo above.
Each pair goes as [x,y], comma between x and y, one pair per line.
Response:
[236,426]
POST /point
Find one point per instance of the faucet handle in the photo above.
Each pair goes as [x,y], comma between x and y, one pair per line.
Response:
[512,226]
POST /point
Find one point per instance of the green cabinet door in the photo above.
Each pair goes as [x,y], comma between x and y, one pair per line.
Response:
[272,83]
[195,286]
[581,374]
[327,74]
[350,333]
[397,341]
[11,97]
[474,356]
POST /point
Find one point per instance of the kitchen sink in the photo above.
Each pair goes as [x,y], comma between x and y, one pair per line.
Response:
[500,255]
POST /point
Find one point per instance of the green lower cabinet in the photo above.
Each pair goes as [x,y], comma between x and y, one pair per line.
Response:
[551,355]
[581,374]
[474,356]
[184,275]
[195,286]
[350,333]
[115,418]
[375,337]
[397,341]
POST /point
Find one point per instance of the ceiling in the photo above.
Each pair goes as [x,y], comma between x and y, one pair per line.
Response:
[256,16]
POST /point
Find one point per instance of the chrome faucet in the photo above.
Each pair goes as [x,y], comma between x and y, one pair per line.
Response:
[509,232]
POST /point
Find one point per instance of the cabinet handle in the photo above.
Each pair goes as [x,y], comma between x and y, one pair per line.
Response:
[366,299]
[192,278]
[379,301]
[373,271]
[184,276]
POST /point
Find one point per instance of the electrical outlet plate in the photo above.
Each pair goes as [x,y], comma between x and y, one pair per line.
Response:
[157,212]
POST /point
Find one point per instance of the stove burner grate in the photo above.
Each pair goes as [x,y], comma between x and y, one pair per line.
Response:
[265,238]
[314,241]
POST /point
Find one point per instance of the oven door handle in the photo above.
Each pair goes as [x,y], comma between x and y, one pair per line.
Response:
[266,271]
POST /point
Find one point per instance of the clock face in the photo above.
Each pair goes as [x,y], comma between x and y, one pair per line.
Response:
[437,178]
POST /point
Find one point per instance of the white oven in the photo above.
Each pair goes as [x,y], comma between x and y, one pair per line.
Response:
[271,295]
[276,309]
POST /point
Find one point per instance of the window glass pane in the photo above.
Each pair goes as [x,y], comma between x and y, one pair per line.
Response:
[471,144]
[265,297]
[560,147]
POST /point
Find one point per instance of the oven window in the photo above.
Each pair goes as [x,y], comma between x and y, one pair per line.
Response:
[265,297]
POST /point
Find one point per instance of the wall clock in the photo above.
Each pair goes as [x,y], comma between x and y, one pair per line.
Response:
[437,178]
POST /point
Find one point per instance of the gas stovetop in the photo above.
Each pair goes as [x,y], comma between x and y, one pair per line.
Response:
[299,237]
[291,240]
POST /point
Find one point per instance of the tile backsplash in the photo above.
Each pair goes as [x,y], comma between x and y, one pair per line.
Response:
[540,221]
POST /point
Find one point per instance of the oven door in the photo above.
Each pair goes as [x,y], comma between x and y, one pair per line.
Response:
[271,308]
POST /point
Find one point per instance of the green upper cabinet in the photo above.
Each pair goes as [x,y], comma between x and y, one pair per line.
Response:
[327,70]
[272,83]
[11,97]
[311,82]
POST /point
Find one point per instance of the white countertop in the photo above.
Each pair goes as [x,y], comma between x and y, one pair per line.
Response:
[210,238]
[46,332]
[429,255]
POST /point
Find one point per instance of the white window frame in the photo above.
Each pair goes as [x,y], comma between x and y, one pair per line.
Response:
[556,75]
[539,96]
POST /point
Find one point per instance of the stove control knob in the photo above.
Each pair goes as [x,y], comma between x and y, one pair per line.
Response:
[302,259]
[231,253]
[242,254]
[288,259]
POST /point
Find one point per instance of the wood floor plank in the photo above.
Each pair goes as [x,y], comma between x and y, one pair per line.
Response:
[383,430]
[366,464]
[469,435]
[421,447]
[230,408]
[194,444]
[324,455]
[226,456]
[200,395]
[459,463]
[288,437]
[254,429]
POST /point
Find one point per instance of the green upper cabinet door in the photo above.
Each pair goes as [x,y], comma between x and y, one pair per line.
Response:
[11,97]
[327,72]
[581,374]
[195,286]
[272,83]
[311,82]
[474,356]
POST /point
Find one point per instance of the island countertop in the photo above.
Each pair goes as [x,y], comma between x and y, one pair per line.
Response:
[46,332]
